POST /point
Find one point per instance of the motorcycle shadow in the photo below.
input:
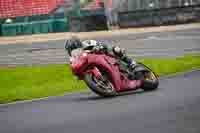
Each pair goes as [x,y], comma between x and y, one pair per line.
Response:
[96,97]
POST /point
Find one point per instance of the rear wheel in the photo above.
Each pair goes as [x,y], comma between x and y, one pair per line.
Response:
[102,86]
[150,80]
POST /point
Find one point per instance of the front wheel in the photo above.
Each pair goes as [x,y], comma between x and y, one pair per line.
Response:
[102,87]
[150,80]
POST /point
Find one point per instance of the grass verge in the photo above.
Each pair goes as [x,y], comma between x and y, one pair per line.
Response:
[23,83]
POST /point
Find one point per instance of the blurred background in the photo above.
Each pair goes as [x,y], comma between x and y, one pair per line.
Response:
[24,17]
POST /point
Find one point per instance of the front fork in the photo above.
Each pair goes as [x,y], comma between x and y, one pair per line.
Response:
[95,71]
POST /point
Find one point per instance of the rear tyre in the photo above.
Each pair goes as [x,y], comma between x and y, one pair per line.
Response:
[150,80]
[100,87]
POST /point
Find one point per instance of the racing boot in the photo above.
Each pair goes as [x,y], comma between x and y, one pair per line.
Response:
[131,74]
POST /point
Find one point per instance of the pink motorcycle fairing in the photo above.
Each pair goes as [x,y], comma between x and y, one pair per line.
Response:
[90,62]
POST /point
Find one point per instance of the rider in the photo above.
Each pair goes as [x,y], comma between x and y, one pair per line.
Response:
[74,43]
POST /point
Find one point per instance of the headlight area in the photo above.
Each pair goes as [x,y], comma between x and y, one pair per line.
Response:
[79,64]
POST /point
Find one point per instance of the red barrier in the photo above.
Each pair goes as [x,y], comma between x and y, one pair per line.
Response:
[99,1]
[14,8]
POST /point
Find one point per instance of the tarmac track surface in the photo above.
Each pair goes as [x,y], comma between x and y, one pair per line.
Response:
[173,108]
[160,44]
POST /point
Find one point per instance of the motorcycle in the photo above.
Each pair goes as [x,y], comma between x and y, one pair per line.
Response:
[106,76]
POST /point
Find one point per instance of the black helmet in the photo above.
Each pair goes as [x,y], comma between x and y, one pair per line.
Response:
[73,43]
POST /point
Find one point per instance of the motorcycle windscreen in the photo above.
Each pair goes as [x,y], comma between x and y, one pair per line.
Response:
[75,54]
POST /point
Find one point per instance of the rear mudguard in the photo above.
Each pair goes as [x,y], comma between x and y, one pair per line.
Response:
[140,68]
[143,68]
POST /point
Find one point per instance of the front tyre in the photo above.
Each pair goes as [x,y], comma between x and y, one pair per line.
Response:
[99,86]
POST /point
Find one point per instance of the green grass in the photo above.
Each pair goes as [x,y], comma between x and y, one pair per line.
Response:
[22,83]
[166,66]
[34,82]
